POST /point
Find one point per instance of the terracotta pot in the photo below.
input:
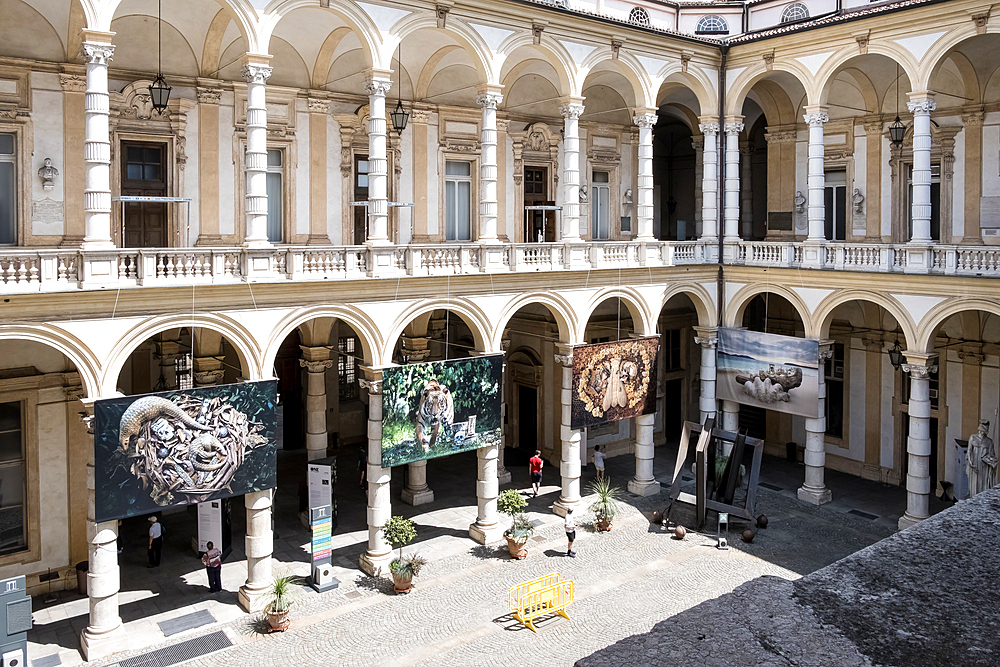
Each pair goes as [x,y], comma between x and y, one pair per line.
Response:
[278,620]
[402,583]
[603,524]
[516,547]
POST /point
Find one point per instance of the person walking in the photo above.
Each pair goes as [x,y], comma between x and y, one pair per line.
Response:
[570,527]
[535,464]
[155,542]
[362,466]
[213,566]
[599,461]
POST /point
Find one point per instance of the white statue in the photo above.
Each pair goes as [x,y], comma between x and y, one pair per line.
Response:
[800,202]
[627,199]
[583,192]
[48,174]
[981,461]
[858,200]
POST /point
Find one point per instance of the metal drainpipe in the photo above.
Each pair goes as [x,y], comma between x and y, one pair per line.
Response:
[721,282]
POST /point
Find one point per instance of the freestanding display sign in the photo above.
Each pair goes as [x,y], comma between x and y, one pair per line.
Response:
[322,520]
[15,621]
[215,525]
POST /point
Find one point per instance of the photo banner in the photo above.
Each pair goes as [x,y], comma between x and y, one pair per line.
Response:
[440,408]
[768,371]
[175,448]
[613,381]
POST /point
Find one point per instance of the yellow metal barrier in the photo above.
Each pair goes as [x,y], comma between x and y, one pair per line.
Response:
[540,597]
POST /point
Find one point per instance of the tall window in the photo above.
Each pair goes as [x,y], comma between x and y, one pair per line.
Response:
[275,201]
[600,207]
[12,479]
[672,349]
[346,369]
[638,16]
[458,200]
[8,190]
[834,377]
[835,199]
[794,12]
[712,24]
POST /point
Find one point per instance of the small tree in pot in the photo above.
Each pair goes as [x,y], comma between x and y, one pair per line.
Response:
[284,591]
[511,503]
[399,532]
[607,503]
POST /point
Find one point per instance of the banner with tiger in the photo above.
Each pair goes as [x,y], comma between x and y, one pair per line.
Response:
[440,408]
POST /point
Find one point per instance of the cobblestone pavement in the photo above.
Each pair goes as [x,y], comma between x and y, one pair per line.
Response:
[626,581]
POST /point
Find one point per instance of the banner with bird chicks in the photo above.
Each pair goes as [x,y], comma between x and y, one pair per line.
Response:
[613,381]
[175,448]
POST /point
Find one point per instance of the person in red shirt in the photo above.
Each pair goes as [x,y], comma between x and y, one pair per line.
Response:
[535,467]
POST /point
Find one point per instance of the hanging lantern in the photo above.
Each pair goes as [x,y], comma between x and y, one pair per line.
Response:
[896,355]
[896,132]
[399,117]
[159,94]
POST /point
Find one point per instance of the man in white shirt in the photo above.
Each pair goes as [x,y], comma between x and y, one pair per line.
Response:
[570,527]
[599,461]
[155,542]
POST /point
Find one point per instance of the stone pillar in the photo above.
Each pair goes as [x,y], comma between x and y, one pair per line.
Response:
[319,114]
[256,72]
[208,166]
[377,85]
[487,527]
[921,105]
[873,179]
[316,361]
[207,371]
[645,119]
[569,464]
[644,484]
[105,634]
[375,561]
[815,117]
[489,98]
[698,143]
[814,490]
[259,546]
[416,492]
[74,89]
[571,109]
[746,188]
[97,49]
[731,212]
[972,120]
[918,443]
[710,181]
[730,422]
[707,338]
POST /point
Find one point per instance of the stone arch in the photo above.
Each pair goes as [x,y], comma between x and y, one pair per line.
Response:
[700,298]
[473,316]
[741,87]
[242,11]
[59,339]
[694,80]
[239,337]
[823,315]
[638,308]
[936,55]
[367,32]
[738,302]
[936,316]
[626,65]
[367,330]
[469,39]
[558,306]
[552,52]
[828,72]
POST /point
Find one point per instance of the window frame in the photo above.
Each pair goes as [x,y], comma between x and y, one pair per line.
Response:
[701,30]
[595,189]
[347,366]
[22,184]
[470,179]
[28,397]
[639,16]
[289,167]
[797,8]
[444,157]
[282,181]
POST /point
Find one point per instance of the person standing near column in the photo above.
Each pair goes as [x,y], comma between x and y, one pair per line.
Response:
[535,464]
[213,566]
[570,526]
[599,461]
[155,542]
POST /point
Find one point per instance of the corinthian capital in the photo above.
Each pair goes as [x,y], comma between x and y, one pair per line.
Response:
[98,54]
[316,366]
[373,386]
[921,106]
[572,110]
[254,73]
[920,372]
[378,87]
[489,100]
[710,129]
[644,120]
[734,127]
[816,118]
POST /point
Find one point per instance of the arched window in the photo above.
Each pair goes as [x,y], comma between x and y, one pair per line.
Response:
[794,12]
[638,16]
[712,23]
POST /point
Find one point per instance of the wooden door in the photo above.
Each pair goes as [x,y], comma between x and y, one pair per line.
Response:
[144,174]
[360,194]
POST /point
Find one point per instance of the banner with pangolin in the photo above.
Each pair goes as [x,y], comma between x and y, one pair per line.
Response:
[180,447]
[613,381]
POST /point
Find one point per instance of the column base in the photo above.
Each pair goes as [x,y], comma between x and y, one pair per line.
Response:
[908,520]
[647,488]
[813,254]
[375,565]
[503,476]
[815,496]
[560,506]
[486,534]
[414,498]
[252,599]
[96,645]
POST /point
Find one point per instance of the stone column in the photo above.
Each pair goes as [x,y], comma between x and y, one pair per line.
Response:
[814,490]
[873,179]
[207,371]
[105,634]
[710,181]
[645,119]
[707,338]
[377,85]
[74,88]
[731,212]
[730,422]
[319,114]
[489,98]
[644,484]
[316,361]
[375,561]
[815,117]
[972,119]
[487,527]
[419,119]
[256,72]
[746,187]
[571,109]
[918,443]
[97,49]
[569,464]
[416,492]
[259,546]
[921,105]
[698,143]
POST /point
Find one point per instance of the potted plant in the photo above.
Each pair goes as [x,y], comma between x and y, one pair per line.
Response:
[284,591]
[399,532]
[606,503]
[511,503]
